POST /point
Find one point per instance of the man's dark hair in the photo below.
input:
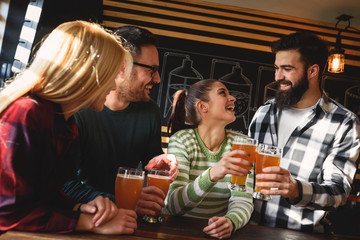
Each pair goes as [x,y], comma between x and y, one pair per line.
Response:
[135,37]
[312,49]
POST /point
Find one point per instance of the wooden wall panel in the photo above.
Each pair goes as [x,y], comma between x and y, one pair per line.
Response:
[218,37]
[235,35]
[245,32]
[221,24]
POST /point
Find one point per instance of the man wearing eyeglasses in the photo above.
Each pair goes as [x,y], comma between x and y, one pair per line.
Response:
[128,130]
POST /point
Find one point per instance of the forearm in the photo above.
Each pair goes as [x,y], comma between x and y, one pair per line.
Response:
[44,218]
[85,223]
[184,197]
[82,192]
[337,172]
[316,196]
[241,206]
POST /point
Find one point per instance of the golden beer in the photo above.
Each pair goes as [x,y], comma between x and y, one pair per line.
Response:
[263,161]
[266,156]
[128,188]
[250,149]
[162,182]
[248,145]
[160,179]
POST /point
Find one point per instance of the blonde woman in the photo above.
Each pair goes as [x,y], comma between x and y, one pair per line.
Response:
[202,146]
[75,67]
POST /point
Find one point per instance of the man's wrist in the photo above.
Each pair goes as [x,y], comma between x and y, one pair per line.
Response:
[294,200]
[77,207]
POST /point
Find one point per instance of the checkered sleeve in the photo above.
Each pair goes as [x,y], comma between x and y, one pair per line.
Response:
[338,170]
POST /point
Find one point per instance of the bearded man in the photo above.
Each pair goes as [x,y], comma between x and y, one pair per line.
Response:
[319,137]
[127,132]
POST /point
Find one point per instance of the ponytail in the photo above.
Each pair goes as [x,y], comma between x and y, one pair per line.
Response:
[177,119]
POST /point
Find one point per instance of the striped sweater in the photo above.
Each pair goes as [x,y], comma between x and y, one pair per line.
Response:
[193,193]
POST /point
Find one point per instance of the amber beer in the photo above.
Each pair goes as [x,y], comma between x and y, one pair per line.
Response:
[162,182]
[161,179]
[248,145]
[128,187]
[263,161]
[266,156]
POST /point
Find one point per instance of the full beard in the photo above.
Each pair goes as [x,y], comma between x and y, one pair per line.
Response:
[293,95]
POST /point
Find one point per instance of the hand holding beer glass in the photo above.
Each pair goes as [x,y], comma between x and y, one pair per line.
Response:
[266,156]
[248,145]
[161,179]
[128,187]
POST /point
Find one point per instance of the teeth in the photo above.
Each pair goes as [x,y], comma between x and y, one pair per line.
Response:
[285,84]
[148,87]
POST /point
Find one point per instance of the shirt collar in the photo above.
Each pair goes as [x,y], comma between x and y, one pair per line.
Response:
[324,105]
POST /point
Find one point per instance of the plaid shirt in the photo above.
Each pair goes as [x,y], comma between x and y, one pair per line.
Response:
[320,154]
[35,141]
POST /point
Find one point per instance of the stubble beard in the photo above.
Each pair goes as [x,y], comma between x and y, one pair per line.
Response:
[132,92]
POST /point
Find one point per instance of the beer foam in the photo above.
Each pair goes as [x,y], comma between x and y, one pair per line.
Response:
[270,154]
[158,176]
[246,144]
[129,176]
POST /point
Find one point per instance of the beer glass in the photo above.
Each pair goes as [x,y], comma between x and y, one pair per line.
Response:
[266,156]
[128,187]
[248,145]
[161,179]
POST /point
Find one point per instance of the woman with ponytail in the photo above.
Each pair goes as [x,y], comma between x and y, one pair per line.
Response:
[202,146]
[75,67]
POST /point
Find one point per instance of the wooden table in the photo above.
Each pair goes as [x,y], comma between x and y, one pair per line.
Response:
[181,228]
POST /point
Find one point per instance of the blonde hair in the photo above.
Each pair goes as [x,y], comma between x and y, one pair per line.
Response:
[77,62]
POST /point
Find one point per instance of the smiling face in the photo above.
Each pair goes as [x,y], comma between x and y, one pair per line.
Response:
[291,77]
[137,87]
[221,104]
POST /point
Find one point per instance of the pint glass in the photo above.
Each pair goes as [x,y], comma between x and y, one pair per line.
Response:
[128,187]
[161,179]
[266,156]
[248,145]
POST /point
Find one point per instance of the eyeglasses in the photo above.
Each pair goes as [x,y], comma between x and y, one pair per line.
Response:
[153,69]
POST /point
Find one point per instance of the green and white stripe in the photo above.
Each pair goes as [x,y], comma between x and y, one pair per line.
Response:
[193,193]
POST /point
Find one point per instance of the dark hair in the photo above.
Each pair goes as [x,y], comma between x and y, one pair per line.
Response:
[135,38]
[313,50]
[184,113]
